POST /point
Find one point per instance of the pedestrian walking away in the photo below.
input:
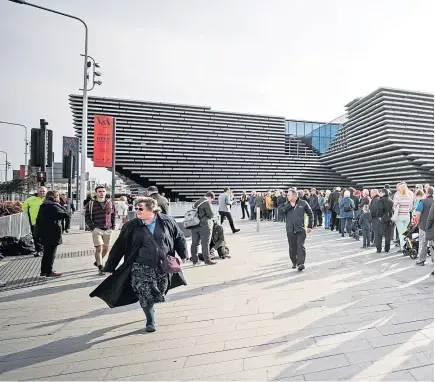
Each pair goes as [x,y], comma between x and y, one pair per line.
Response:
[49,231]
[295,210]
[145,244]
[100,217]
[162,202]
[225,208]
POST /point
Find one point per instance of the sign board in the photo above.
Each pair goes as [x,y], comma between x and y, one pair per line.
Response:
[15,174]
[22,171]
[103,141]
[70,144]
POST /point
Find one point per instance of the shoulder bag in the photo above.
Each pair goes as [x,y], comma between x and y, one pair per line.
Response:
[170,263]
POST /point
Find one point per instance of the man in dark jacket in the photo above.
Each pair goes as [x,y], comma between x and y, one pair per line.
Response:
[315,207]
[374,194]
[354,198]
[162,202]
[244,200]
[202,234]
[295,210]
[422,214]
[385,212]
[430,232]
[333,202]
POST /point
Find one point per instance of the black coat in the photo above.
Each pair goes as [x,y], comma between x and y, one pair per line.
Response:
[385,209]
[116,290]
[333,199]
[48,223]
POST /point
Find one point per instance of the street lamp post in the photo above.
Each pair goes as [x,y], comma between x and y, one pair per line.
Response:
[26,141]
[84,142]
[6,166]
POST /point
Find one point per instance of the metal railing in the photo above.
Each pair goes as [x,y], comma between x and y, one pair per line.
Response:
[16,225]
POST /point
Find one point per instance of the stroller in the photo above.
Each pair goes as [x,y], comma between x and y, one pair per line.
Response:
[411,242]
[356,229]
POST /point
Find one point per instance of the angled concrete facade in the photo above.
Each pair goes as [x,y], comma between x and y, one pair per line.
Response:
[187,150]
[388,137]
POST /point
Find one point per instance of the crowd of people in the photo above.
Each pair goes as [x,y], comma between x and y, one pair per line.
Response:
[150,243]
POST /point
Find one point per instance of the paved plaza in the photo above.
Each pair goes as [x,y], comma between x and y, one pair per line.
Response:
[351,315]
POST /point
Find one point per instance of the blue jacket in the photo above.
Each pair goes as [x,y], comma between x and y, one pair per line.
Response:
[343,213]
[252,201]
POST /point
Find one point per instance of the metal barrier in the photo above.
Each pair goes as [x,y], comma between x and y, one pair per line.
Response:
[16,225]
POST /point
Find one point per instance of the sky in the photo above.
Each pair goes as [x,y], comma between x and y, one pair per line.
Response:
[298,59]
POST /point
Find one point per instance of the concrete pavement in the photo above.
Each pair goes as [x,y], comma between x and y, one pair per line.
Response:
[352,314]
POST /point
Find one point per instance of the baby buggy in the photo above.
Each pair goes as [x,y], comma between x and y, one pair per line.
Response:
[356,229]
[411,243]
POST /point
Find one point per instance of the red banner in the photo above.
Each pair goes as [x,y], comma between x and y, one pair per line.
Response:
[103,140]
[22,171]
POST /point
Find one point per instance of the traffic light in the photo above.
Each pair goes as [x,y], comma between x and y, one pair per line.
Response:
[8,165]
[41,177]
[67,170]
[41,146]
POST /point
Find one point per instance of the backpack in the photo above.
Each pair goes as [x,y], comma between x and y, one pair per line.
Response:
[347,207]
[191,217]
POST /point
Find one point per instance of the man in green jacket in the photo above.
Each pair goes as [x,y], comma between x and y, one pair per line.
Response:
[31,208]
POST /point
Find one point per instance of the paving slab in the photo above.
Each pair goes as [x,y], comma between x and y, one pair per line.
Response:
[352,314]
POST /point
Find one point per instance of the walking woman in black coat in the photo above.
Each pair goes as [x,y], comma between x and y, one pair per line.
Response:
[144,243]
[49,231]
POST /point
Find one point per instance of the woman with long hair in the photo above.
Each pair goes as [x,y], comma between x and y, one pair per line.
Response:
[48,229]
[402,203]
[145,243]
[327,210]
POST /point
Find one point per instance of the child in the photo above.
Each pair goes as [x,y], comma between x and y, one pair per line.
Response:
[365,222]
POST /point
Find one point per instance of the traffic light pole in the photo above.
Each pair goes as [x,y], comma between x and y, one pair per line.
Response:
[43,147]
[71,163]
[6,165]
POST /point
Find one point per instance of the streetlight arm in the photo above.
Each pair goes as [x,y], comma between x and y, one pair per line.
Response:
[50,10]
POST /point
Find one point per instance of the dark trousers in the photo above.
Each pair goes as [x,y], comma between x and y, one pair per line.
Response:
[244,208]
[38,245]
[253,213]
[345,223]
[317,218]
[334,221]
[296,247]
[227,215]
[383,231]
[201,235]
[48,259]
[366,237]
[375,229]
[66,223]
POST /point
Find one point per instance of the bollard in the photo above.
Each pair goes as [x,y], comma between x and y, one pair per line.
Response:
[258,219]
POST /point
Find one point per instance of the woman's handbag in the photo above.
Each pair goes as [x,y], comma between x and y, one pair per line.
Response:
[170,263]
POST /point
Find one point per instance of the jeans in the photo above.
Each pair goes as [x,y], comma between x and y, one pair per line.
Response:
[201,235]
[366,237]
[275,214]
[328,220]
[296,247]
[48,259]
[345,222]
[422,246]
[402,224]
[334,220]
[317,217]
[253,214]
[149,314]
[66,222]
